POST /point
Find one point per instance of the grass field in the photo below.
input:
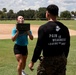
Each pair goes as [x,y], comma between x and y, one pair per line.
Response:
[8,62]
[69,23]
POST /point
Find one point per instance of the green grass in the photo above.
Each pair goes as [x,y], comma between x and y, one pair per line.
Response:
[71,67]
[8,62]
[69,23]
[33,22]
[7,21]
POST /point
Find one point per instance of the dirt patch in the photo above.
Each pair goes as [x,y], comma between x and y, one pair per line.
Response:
[72,32]
[6,30]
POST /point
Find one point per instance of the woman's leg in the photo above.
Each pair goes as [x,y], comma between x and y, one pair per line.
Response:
[19,58]
[24,62]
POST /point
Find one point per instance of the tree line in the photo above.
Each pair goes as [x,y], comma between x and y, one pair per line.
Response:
[33,14]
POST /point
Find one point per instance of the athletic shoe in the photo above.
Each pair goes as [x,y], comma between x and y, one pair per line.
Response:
[23,73]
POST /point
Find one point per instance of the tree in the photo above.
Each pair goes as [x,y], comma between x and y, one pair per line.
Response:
[73,13]
[21,12]
[35,14]
[41,13]
[4,15]
[29,14]
[4,10]
[1,14]
[10,14]
[65,14]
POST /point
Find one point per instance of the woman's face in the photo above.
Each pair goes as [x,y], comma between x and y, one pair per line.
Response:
[20,19]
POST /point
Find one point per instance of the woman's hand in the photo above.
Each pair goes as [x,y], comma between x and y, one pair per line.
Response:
[30,35]
[15,36]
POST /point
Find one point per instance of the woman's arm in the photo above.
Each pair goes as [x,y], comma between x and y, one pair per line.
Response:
[30,35]
[15,36]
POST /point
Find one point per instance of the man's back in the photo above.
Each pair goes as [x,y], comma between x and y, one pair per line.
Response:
[56,38]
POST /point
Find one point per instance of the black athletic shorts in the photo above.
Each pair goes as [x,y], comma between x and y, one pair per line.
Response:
[20,50]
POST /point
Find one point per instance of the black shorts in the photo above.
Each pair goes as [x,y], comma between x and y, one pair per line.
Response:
[20,50]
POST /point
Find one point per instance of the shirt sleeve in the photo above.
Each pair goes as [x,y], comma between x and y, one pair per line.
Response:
[13,31]
[67,44]
[30,32]
[39,45]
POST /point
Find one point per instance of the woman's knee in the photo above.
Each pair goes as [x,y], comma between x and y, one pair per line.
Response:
[20,62]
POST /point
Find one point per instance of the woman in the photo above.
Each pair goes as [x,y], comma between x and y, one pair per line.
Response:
[20,47]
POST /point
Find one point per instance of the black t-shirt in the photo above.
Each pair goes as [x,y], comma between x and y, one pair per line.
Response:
[53,40]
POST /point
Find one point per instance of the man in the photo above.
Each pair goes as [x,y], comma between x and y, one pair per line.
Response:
[54,41]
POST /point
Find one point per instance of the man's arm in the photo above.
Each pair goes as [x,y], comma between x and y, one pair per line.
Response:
[67,44]
[38,48]
[39,45]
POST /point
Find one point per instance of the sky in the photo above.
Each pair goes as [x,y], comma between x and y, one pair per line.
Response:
[17,5]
